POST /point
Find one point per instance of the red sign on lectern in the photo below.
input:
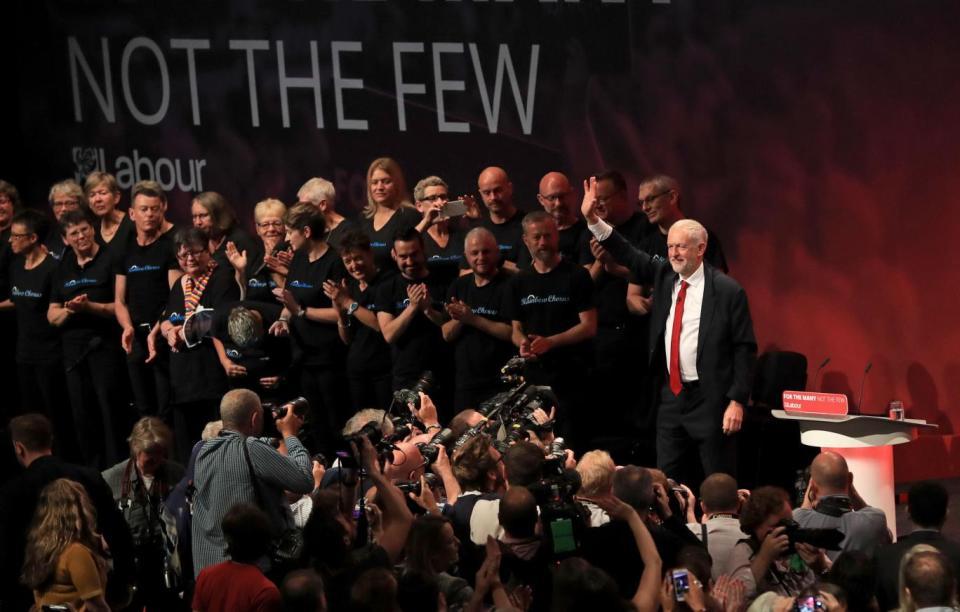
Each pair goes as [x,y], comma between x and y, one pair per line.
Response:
[811,402]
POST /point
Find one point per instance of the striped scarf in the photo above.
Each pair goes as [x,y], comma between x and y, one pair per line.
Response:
[193,289]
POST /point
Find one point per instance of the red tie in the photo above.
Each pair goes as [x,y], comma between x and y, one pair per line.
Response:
[675,384]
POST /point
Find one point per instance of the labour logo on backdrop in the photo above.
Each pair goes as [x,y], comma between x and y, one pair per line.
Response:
[184,174]
[87,160]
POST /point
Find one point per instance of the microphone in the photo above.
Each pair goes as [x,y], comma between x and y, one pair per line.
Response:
[92,345]
[822,365]
[866,371]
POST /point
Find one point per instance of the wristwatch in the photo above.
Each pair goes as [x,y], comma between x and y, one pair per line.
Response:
[352,308]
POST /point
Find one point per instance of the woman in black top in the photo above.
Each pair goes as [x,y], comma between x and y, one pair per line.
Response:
[442,238]
[39,357]
[215,218]
[81,306]
[197,379]
[259,279]
[113,226]
[311,320]
[388,209]
[369,367]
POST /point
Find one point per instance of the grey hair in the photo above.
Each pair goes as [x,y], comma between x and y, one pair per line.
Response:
[237,406]
[244,327]
[362,417]
[693,229]
[478,232]
[148,433]
[317,190]
[662,182]
[420,190]
[69,188]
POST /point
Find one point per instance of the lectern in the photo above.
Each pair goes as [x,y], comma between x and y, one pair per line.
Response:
[866,442]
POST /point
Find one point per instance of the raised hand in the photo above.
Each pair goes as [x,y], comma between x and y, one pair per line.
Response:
[589,205]
[237,258]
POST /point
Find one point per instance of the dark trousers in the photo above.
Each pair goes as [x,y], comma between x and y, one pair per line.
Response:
[149,382]
[189,419]
[98,398]
[370,390]
[687,426]
[43,389]
[326,390]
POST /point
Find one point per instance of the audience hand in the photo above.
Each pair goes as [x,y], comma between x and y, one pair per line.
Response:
[815,558]
[427,412]
[775,544]
[290,424]
[730,592]
[613,506]
[270,382]
[488,577]
[236,257]
[280,328]
[426,500]
[338,294]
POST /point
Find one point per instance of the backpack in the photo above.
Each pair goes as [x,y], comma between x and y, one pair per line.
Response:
[176,517]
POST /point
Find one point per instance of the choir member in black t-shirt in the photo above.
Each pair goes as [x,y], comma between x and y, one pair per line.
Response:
[442,240]
[252,358]
[197,380]
[388,209]
[323,196]
[479,327]
[39,357]
[554,321]
[256,274]
[369,373]
[64,196]
[504,220]
[82,307]
[311,320]
[113,226]
[144,276]
[619,332]
[557,198]
[216,219]
[410,309]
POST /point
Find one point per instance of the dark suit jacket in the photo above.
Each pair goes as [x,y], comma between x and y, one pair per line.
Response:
[888,563]
[18,501]
[726,346]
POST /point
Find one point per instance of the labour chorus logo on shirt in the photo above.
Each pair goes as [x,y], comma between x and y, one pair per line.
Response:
[298,284]
[483,310]
[547,299]
[28,293]
[256,283]
[144,268]
[79,282]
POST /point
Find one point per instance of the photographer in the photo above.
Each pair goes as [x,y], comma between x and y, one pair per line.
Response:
[224,478]
[768,560]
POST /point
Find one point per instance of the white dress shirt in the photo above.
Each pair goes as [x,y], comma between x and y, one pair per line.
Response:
[690,327]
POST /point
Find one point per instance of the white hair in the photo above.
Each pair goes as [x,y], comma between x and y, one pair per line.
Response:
[317,190]
[693,229]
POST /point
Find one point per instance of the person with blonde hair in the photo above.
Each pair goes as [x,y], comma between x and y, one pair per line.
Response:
[140,484]
[596,469]
[66,560]
[388,210]
[254,272]
[114,226]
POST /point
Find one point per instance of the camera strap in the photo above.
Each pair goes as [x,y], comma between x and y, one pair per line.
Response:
[835,506]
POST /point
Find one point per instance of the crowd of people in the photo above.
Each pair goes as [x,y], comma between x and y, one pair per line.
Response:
[461,367]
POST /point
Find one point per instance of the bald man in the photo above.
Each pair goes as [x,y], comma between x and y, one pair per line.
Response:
[832,502]
[702,348]
[503,219]
[557,198]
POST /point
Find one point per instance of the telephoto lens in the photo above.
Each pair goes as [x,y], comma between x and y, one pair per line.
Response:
[431,449]
[299,405]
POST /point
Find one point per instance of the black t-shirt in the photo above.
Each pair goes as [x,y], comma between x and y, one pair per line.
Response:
[118,245]
[316,343]
[421,347]
[260,283]
[509,237]
[243,242]
[570,245]
[335,236]
[654,243]
[551,303]
[54,243]
[146,269]
[368,353]
[479,356]
[38,342]
[196,373]
[444,262]
[381,241]
[95,279]
[611,291]
[270,356]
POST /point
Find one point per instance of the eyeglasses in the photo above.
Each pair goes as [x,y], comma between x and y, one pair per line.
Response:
[553,197]
[5,200]
[15,235]
[277,224]
[188,254]
[436,198]
[650,199]
[200,216]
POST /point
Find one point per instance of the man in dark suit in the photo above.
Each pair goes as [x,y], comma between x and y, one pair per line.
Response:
[702,345]
[927,507]
[33,440]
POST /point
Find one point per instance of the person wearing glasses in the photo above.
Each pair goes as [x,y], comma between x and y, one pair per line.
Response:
[39,357]
[82,307]
[442,240]
[197,378]
[254,270]
[321,194]
[64,196]
[145,274]
[216,219]
[557,199]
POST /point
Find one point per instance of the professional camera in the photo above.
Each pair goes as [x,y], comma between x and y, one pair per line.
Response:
[564,519]
[412,395]
[300,407]
[413,486]
[431,449]
[828,539]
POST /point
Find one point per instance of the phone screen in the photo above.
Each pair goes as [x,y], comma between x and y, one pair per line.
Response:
[681,584]
[562,532]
